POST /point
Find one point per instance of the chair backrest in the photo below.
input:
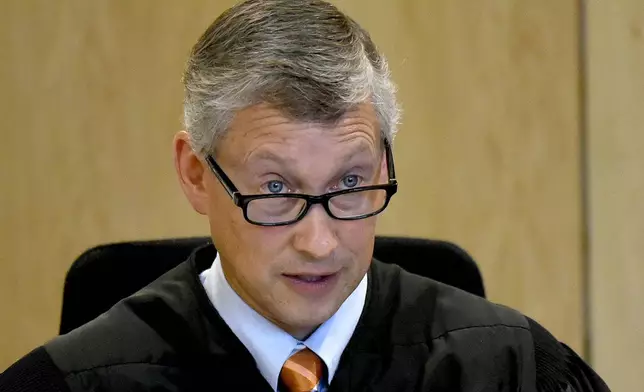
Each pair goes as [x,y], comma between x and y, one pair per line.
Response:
[105,274]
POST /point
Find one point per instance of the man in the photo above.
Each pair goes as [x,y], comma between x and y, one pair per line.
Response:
[289,116]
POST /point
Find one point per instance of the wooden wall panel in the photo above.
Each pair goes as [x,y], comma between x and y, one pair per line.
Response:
[90,99]
[487,154]
[615,58]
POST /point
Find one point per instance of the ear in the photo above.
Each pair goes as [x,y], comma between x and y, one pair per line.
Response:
[191,172]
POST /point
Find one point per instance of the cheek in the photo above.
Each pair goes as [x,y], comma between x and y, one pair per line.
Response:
[224,219]
[358,238]
[253,251]
[265,245]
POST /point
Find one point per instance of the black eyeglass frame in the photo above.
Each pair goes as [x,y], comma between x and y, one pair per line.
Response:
[242,201]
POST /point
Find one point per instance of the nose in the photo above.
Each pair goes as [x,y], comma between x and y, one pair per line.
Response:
[314,234]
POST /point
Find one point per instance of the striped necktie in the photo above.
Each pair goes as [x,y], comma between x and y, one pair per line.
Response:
[302,372]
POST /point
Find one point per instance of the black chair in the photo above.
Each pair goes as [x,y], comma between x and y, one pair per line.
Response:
[105,274]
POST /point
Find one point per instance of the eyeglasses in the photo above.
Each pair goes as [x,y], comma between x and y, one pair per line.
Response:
[282,209]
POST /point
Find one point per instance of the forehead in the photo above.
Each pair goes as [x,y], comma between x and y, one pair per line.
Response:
[263,129]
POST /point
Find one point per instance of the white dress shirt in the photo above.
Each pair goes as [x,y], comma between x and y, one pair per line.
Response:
[269,345]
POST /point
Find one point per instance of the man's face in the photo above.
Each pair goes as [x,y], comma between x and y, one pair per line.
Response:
[297,275]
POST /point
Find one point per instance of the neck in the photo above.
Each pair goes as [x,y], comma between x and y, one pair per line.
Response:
[299,334]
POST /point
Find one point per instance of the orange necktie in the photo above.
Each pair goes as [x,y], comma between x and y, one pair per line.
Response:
[302,371]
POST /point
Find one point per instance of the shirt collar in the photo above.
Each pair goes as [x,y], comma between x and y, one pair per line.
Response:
[269,345]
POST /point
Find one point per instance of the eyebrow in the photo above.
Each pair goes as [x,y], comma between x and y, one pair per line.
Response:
[362,148]
[269,155]
[350,162]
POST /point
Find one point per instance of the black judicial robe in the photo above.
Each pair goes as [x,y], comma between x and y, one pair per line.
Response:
[414,335]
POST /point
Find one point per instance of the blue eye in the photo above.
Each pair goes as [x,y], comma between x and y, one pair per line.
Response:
[350,181]
[275,186]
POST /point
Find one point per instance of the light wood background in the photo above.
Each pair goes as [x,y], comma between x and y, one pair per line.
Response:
[615,82]
[488,155]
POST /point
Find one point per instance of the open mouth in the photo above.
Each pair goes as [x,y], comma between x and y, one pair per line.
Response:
[310,278]
[315,285]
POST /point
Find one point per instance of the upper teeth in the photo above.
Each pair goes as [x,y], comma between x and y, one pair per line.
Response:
[311,278]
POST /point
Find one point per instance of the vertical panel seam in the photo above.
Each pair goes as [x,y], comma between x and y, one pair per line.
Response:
[584,178]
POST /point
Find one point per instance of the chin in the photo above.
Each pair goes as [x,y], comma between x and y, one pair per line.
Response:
[310,322]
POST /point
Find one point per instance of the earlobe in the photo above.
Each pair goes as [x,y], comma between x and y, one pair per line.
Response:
[191,173]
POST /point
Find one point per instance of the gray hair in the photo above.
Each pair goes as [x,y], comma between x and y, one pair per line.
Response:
[304,57]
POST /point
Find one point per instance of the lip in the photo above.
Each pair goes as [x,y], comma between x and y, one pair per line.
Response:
[314,288]
[311,273]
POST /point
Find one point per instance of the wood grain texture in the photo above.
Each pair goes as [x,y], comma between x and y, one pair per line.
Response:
[487,155]
[91,99]
[616,189]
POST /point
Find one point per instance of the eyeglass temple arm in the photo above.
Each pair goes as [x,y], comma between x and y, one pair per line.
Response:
[391,171]
[222,177]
